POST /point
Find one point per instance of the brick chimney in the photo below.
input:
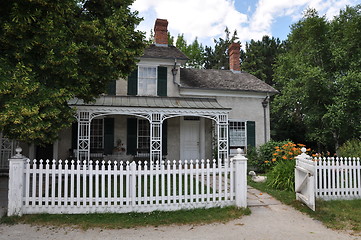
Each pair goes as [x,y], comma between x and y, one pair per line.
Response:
[234,56]
[161,32]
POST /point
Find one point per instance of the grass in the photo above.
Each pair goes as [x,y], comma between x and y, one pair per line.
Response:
[336,214]
[131,220]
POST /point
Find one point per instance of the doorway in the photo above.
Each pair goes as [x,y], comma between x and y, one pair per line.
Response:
[190,138]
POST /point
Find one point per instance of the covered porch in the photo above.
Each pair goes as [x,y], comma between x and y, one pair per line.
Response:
[156,111]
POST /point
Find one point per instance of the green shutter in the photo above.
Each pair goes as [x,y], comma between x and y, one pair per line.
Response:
[111,88]
[251,133]
[108,135]
[74,136]
[162,81]
[165,138]
[132,136]
[133,83]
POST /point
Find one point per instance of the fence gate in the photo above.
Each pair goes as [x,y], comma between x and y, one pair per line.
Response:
[305,180]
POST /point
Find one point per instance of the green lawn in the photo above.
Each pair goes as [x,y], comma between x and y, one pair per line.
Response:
[340,214]
[131,220]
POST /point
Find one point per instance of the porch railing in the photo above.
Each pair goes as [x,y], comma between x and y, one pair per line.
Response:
[117,186]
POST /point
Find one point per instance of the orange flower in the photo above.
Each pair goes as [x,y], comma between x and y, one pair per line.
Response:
[290,153]
[273,159]
[301,145]
[284,157]
[275,154]
[308,149]
[266,161]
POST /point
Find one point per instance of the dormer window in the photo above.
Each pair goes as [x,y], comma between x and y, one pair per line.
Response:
[147,81]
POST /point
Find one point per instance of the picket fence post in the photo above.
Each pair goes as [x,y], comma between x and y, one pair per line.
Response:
[16,183]
[240,163]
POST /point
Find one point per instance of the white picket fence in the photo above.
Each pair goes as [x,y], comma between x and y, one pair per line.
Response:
[334,178]
[97,187]
[337,178]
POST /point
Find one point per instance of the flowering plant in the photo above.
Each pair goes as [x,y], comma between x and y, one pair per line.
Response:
[281,176]
[287,151]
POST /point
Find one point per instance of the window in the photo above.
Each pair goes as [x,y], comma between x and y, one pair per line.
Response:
[143,134]
[96,134]
[237,134]
[147,81]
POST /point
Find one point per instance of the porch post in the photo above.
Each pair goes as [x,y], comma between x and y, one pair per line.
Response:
[222,136]
[155,136]
[83,152]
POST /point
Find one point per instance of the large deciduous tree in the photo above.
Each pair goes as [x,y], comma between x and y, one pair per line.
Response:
[52,51]
[320,80]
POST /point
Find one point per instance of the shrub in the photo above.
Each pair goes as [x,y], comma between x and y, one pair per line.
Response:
[265,155]
[282,174]
[351,148]
[252,156]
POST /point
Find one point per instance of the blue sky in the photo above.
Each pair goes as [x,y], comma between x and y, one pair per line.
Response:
[207,19]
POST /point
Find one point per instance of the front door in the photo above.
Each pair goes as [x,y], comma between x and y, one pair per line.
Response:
[190,129]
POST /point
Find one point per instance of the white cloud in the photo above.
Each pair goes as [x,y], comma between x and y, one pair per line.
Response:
[194,18]
[208,19]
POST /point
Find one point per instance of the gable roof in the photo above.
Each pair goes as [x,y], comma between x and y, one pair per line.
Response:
[165,52]
[223,80]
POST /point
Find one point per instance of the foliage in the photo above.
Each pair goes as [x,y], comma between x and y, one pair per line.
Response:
[260,56]
[194,51]
[351,148]
[218,58]
[252,158]
[265,155]
[286,152]
[52,51]
[320,85]
[282,174]
[131,220]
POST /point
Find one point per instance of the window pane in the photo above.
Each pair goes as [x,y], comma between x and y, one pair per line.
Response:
[96,134]
[143,134]
[147,81]
[237,134]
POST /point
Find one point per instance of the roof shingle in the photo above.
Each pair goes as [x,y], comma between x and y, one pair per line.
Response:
[223,79]
[165,52]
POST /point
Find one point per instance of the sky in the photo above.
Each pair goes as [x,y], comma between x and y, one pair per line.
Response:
[207,19]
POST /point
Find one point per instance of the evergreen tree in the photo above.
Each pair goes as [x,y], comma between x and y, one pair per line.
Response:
[260,56]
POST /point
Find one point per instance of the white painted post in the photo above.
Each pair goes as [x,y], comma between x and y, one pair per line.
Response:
[16,183]
[240,178]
